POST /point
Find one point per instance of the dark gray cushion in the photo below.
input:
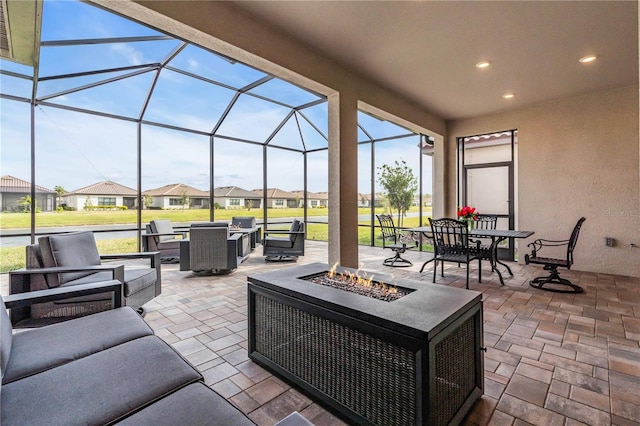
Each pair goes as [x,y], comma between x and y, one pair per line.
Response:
[296,226]
[169,245]
[282,242]
[5,338]
[134,279]
[40,349]
[98,388]
[72,249]
[193,405]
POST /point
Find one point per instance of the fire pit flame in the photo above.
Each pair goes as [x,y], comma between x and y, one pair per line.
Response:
[358,282]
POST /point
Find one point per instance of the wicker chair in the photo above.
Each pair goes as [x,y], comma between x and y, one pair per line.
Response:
[160,236]
[553,280]
[211,250]
[393,239]
[70,259]
[287,248]
[452,244]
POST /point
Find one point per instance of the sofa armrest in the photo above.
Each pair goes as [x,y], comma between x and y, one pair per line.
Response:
[20,282]
[153,256]
[283,232]
[152,234]
[22,300]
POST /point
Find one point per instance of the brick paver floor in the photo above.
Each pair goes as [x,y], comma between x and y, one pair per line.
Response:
[552,359]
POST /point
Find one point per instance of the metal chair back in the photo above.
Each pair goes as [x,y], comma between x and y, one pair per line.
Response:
[451,237]
[485,221]
[573,240]
[388,229]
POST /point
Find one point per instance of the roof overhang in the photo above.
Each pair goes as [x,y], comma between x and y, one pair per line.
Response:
[20,24]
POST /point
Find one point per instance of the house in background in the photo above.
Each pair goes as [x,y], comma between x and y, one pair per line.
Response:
[177,196]
[233,197]
[364,200]
[279,199]
[13,193]
[314,200]
[103,195]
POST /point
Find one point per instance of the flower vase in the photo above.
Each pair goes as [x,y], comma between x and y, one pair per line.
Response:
[470,224]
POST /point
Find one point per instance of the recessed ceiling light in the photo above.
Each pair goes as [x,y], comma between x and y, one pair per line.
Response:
[483,64]
[588,58]
[509,95]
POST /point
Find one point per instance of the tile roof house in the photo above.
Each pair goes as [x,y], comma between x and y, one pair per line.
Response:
[14,190]
[102,195]
[279,199]
[314,199]
[233,197]
[178,196]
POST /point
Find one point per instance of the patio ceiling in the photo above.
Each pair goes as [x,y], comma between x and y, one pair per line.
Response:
[427,51]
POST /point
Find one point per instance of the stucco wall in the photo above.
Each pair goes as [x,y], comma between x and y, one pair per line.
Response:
[576,157]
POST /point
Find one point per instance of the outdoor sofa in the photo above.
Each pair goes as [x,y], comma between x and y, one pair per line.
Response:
[104,368]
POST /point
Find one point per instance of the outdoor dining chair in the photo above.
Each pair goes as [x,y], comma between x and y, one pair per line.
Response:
[553,282]
[452,244]
[481,246]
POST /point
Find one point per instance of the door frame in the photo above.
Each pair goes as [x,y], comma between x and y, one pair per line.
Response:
[503,253]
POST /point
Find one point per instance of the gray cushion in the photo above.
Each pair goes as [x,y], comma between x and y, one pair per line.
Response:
[162,226]
[296,226]
[169,245]
[282,242]
[134,279]
[40,349]
[5,338]
[193,405]
[98,388]
[72,249]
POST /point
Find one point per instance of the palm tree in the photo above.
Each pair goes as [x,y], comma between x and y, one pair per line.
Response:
[60,191]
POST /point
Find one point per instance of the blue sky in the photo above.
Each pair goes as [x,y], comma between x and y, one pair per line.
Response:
[75,149]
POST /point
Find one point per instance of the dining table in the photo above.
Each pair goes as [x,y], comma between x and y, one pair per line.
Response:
[496,235]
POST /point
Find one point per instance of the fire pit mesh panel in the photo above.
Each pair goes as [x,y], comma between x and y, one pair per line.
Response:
[455,372]
[369,376]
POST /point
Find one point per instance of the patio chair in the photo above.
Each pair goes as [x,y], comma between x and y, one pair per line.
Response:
[71,259]
[160,236]
[393,239]
[553,282]
[482,247]
[211,249]
[288,248]
[452,244]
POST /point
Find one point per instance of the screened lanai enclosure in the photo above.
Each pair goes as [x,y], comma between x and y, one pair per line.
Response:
[115,123]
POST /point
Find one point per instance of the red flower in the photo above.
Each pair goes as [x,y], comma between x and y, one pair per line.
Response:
[467,212]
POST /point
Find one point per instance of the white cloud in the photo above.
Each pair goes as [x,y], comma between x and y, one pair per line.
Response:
[133,56]
[193,65]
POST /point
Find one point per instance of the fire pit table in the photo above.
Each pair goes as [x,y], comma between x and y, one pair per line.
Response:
[407,353]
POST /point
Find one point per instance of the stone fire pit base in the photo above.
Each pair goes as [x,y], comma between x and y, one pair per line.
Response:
[416,360]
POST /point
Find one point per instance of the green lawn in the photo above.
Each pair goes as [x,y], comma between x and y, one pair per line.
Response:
[12,258]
